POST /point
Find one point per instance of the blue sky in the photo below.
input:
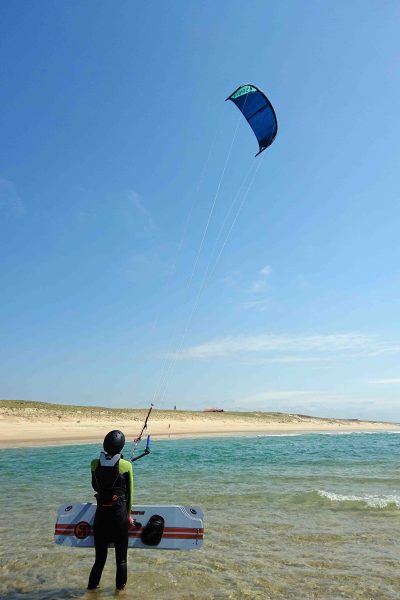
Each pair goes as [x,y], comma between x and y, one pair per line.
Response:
[115,138]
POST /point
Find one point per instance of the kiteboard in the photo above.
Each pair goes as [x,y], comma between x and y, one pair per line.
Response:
[178,527]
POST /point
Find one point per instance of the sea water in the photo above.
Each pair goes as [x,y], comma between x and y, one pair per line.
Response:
[286,517]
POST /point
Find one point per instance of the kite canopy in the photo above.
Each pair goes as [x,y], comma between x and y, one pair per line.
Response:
[259,113]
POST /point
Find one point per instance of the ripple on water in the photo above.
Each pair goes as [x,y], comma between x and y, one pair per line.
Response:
[286,518]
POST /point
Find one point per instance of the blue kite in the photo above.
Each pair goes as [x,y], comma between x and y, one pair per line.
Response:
[259,113]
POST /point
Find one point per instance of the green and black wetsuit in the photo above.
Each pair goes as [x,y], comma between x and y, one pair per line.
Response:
[112,479]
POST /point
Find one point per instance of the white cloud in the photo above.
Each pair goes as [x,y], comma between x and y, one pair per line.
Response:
[310,402]
[137,267]
[231,280]
[257,304]
[134,198]
[289,358]
[144,267]
[9,198]
[318,403]
[394,381]
[284,397]
[300,347]
[136,201]
[385,349]
[266,271]
[278,394]
[259,284]
[255,291]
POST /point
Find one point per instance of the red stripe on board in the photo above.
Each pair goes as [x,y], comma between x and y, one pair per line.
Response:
[65,528]
[175,536]
[169,529]
[183,529]
[69,532]
[172,536]
[183,536]
[138,532]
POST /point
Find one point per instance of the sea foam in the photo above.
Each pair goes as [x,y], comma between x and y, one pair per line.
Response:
[370,500]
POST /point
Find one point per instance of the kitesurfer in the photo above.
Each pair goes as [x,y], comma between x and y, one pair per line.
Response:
[112,480]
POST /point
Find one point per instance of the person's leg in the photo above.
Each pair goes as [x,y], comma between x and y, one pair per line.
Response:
[101,546]
[97,569]
[122,567]
[121,551]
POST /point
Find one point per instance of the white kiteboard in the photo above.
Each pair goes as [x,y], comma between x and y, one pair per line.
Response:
[183,526]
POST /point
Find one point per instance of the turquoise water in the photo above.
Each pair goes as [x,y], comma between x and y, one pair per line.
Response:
[286,517]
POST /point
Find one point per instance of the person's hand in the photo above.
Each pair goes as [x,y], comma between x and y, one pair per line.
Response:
[131,521]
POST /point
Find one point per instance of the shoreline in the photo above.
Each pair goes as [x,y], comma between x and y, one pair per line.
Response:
[34,437]
[33,424]
[52,443]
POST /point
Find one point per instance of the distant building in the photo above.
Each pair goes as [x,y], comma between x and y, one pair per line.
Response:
[213,410]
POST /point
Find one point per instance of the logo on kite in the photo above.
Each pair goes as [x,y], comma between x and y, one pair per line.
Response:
[245,89]
[258,112]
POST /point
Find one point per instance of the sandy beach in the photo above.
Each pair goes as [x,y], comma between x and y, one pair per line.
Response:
[24,423]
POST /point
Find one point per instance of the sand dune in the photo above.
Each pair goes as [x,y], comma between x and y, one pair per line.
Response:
[25,423]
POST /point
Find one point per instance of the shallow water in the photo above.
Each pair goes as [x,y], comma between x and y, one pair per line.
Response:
[286,517]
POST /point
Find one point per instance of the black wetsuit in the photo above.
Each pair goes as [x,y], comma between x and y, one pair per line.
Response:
[112,479]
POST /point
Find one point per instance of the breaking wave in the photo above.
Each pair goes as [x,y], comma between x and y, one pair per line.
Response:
[367,500]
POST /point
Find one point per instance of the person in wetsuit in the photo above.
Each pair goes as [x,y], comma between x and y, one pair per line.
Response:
[112,480]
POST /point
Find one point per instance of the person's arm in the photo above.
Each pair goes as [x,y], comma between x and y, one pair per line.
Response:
[93,466]
[126,469]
